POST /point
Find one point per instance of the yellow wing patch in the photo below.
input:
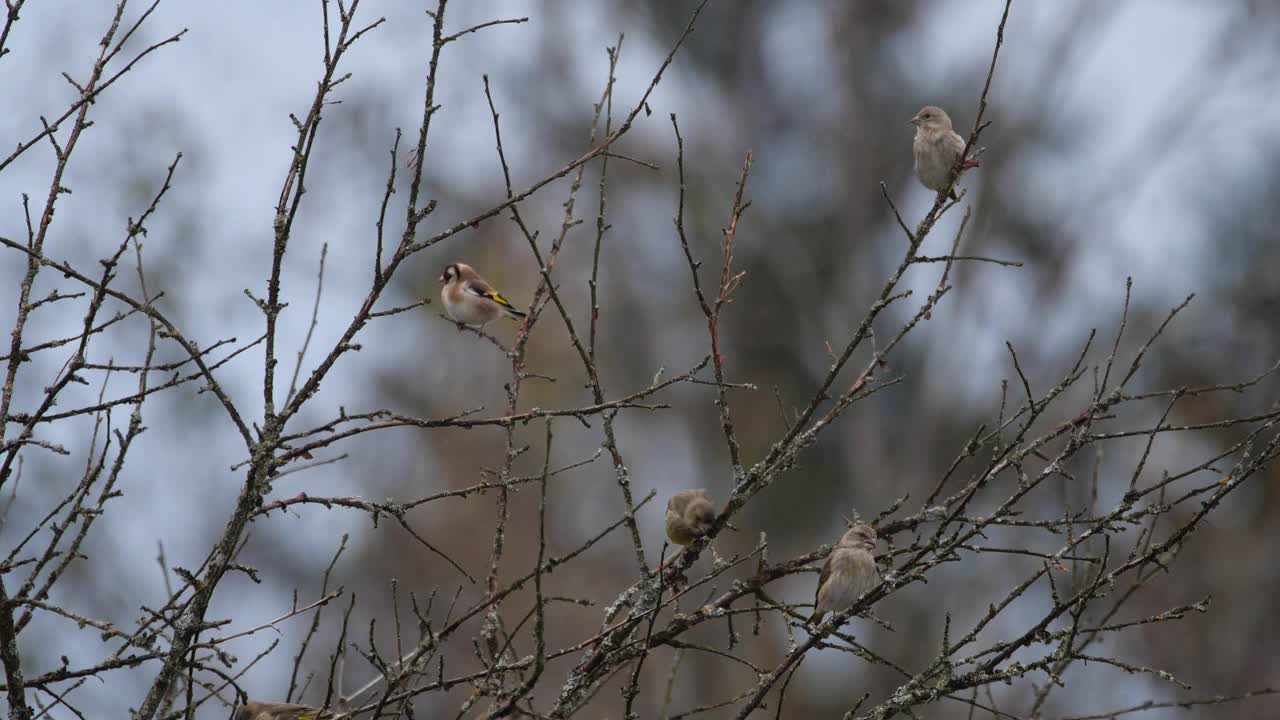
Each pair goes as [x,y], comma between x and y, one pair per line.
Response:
[498,299]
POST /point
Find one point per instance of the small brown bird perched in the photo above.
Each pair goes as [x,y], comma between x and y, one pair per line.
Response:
[470,300]
[690,514]
[252,710]
[849,571]
[937,149]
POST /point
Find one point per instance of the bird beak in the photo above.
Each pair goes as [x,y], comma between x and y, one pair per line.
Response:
[847,521]
[915,121]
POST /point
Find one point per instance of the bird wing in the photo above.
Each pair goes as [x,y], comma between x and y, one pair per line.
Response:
[823,576]
[482,289]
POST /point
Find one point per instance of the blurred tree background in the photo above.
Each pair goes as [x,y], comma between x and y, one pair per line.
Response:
[1127,139]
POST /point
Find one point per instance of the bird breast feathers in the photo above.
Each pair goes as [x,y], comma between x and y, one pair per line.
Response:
[854,564]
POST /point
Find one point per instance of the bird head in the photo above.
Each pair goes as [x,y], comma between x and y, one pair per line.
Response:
[860,535]
[456,271]
[931,116]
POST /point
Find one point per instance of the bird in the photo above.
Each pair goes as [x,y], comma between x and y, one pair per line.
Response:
[252,710]
[690,514]
[470,300]
[849,571]
[937,149]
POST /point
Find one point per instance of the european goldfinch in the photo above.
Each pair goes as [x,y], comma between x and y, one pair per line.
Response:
[282,711]
[470,300]
[690,514]
[937,149]
[849,571]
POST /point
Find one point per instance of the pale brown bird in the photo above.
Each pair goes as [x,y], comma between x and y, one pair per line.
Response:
[849,571]
[253,710]
[937,149]
[690,514]
[470,300]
